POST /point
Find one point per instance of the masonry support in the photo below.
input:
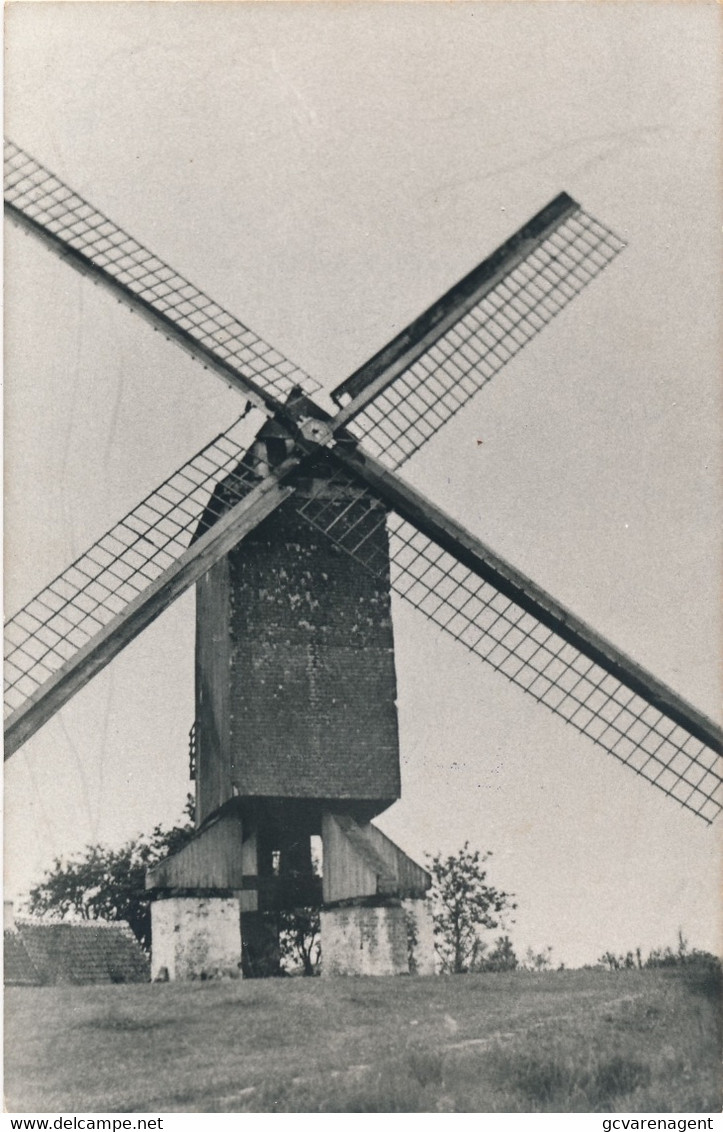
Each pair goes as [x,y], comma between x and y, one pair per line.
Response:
[195,937]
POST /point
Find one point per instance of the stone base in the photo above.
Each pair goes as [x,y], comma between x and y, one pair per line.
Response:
[390,939]
[195,937]
[420,937]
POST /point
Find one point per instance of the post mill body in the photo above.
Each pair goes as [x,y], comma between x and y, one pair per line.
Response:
[296,731]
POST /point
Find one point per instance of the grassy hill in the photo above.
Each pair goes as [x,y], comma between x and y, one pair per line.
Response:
[587,1041]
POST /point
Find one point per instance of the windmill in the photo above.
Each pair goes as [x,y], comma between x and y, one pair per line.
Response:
[333,477]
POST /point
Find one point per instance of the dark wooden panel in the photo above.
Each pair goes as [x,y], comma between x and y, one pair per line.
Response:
[213,774]
[312,699]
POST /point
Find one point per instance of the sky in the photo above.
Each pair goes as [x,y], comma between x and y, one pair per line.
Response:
[325,172]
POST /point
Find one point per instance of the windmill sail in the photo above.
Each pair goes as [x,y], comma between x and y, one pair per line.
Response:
[408,390]
[509,622]
[38,200]
[89,612]
[394,403]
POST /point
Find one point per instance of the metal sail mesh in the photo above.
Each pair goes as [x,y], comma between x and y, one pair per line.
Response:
[48,631]
[514,642]
[47,201]
[461,361]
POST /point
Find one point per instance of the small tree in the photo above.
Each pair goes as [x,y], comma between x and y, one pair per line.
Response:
[300,940]
[109,884]
[538,960]
[610,960]
[464,905]
[502,957]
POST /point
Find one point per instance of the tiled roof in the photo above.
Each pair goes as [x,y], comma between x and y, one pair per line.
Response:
[42,952]
[18,969]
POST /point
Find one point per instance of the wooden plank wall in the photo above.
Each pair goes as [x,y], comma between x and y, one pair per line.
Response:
[346,872]
[411,878]
[213,859]
[213,769]
[359,861]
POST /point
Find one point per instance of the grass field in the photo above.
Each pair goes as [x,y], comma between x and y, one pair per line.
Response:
[567,1041]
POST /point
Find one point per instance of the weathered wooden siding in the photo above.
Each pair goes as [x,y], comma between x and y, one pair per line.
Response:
[214,858]
[349,870]
[410,878]
[213,765]
[312,695]
[361,861]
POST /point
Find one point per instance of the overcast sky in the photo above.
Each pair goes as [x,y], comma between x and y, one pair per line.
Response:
[325,172]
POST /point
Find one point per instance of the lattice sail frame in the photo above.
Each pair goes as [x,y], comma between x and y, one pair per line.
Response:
[509,310]
[41,197]
[51,628]
[514,642]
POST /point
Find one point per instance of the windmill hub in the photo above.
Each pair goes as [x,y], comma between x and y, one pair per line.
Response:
[316,432]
